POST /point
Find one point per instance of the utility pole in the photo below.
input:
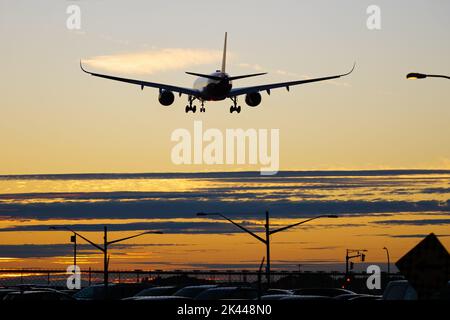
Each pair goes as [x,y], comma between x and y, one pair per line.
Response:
[267,226]
[358,253]
[268,233]
[104,248]
[105,258]
[73,239]
[388,263]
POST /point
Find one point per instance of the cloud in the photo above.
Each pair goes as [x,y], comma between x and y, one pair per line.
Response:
[419,222]
[255,196]
[167,205]
[255,67]
[290,74]
[321,248]
[436,190]
[61,250]
[153,61]
[344,174]
[409,236]
[189,227]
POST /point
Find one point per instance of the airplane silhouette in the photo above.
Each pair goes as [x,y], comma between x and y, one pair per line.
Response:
[216,86]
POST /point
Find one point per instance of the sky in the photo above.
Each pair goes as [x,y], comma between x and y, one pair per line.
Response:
[375,209]
[56,119]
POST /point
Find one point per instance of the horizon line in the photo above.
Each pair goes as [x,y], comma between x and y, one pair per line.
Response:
[281,173]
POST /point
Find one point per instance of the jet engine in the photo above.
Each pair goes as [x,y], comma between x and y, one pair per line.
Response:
[166,97]
[253,99]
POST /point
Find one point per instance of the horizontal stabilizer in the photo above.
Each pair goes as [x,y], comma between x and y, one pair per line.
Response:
[207,76]
[247,76]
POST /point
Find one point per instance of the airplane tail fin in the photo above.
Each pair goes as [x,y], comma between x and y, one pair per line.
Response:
[224,58]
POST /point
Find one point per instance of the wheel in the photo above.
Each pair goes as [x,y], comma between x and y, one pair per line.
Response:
[187,109]
[194,109]
[231,109]
[238,109]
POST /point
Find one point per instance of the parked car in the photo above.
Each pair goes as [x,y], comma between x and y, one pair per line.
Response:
[402,290]
[274,297]
[304,297]
[159,298]
[276,292]
[323,292]
[399,290]
[365,297]
[116,291]
[37,295]
[5,291]
[347,296]
[193,291]
[157,291]
[228,293]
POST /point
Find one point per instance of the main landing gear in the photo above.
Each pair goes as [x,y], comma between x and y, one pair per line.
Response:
[189,107]
[235,107]
[192,108]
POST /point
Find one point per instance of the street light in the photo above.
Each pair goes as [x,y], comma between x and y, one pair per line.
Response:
[416,75]
[73,239]
[388,262]
[268,232]
[103,248]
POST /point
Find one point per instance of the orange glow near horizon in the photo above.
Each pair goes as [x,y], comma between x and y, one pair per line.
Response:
[318,243]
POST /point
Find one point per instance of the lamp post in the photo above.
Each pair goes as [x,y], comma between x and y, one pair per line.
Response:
[388,262]
[73,239]
[357,253]
[268,233]
[105,246]
[416,75]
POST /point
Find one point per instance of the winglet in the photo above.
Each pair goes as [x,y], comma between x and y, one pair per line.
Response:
[81,66]
[346,74]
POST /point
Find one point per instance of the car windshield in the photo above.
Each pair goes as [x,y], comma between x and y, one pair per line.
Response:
[157,291]
[87,293]
[216,294]
[328,292]
[191,292]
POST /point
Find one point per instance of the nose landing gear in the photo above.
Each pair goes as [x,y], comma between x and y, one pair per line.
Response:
[202,109]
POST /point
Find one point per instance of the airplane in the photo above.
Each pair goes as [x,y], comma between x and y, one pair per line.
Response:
[216,86]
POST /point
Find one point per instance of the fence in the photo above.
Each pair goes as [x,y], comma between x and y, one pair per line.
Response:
[279,279]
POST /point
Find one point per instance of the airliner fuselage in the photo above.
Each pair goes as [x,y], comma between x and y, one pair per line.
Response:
[214,90]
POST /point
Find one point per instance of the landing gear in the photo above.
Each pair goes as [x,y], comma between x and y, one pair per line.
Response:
[202,108]
[189,107]
[235,107]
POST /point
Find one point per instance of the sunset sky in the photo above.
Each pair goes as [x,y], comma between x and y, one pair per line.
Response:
[376,209]
[56,119]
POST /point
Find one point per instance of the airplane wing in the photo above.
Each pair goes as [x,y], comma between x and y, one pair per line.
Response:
[142,84]
[267,87]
